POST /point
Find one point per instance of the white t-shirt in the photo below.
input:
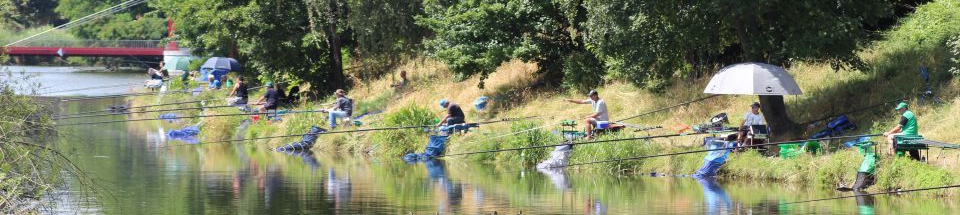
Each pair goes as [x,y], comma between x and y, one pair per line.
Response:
[599,107]
[752,119]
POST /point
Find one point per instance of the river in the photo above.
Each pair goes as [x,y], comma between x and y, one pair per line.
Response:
[135,173]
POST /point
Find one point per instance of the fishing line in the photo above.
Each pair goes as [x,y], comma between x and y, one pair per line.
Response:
[874,194]
[668,107]
[132,107]
[187,117]
[123,95]
[91,88]
[83,20]
[853,111]
[718,149]
[570,143]
[148,111]
[346,131]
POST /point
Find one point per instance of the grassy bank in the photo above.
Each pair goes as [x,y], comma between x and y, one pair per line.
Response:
[890,72]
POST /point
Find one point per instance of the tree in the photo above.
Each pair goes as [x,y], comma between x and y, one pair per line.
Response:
[649,41]
[473,37]
[274,39]
[382,31]
[22,14]
[135,23]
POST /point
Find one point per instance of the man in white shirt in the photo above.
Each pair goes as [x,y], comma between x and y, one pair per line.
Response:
[749,119]
[599,115]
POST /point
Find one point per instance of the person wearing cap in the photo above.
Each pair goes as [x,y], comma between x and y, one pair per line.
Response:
[342,108]
[270,100]
[599,115]
[908,126]
[454,113]
[750,119]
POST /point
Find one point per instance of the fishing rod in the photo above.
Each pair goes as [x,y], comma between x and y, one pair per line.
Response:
[667,108]
[571,144]
[874,194]
[132,107]
[347,131]
[717,149]
[854,111]
[148,111]
[91,88]
[123,95]
[188,117]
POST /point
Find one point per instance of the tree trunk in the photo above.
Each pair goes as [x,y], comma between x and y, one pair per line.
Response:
[338,80]
[775,112]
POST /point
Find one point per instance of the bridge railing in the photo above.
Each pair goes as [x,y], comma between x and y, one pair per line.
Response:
[93,43]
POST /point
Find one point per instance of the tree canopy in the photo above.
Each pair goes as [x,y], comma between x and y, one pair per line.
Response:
[136,23]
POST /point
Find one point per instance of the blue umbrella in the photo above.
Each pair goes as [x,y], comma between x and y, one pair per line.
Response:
[221,65]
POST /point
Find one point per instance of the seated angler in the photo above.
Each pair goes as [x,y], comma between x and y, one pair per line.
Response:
[599,116]
[907,126]
[270,100]
[454,114]
[342,108]
[750,119]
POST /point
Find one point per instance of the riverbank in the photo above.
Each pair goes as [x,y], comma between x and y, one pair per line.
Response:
[889,73]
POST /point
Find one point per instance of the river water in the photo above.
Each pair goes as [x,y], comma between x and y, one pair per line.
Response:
[135,174]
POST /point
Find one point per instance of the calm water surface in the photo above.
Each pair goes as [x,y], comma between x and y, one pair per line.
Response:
[135,175]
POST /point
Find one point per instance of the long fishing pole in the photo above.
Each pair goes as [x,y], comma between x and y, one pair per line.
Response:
[667,108]
[874,194]
[346,131]
[147,111]
[853,111]
[132,107]
[188,117]
[717,149]
[91,88]
[571,144]
[123,95]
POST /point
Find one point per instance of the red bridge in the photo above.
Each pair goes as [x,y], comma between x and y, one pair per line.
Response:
[92,48]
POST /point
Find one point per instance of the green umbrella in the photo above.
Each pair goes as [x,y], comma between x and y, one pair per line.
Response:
[178,63]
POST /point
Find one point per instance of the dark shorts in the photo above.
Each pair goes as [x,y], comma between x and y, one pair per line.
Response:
[455,120]
[270,106]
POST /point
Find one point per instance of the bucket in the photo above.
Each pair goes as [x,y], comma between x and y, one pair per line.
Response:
[603,124]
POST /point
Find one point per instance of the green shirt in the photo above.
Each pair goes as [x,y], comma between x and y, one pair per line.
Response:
[908,124]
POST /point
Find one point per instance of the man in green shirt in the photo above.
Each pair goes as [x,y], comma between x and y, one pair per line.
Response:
[907,126]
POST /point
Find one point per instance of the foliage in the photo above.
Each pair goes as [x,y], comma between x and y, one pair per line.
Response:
[671,35]
[28,171]
[135,23]
[382,31]
[273,39]
[22,14]
[474,37]
[582,72]
[955,50]
[399,142]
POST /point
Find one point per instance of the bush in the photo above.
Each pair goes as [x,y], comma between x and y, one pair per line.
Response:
[954,45]
[582,72]
[399,142]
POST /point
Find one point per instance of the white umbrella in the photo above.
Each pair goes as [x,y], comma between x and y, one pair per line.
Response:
[753,79]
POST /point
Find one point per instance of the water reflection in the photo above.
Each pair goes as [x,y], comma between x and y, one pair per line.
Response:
[307,156]
[338,190]
[251,178]
[865,204]
[716,199]
[452,195]
[558,176]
